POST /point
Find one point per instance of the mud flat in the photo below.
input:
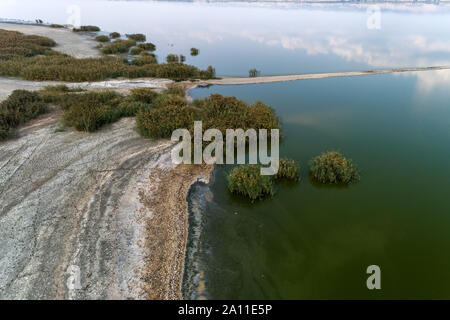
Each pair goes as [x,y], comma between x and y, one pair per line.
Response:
[68,42]
[107,208]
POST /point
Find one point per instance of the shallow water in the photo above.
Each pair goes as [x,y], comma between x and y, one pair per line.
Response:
[281,38]
[316,242]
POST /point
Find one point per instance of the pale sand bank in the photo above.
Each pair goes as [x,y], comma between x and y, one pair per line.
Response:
[293,77]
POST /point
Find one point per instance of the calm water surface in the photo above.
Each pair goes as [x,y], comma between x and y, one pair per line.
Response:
[316,242]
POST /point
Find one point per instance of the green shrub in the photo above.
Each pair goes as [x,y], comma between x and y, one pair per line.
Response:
[143,60]
[91,110]
[161,122]
[31,58]
[87,29]
[54,25]
[147,46]
[137,37]
[20,107]
[118,46]
[194,52]
[55,94]
[176,90]
[145,95]
[172,58]
[253,73]
[135,51]
[182,58]
[333,168]
[164,100]
[130,108]
[288,169]
[114,35]
[246,180]
[102,38]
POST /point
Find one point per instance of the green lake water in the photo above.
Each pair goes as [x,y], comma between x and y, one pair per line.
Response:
[315,242]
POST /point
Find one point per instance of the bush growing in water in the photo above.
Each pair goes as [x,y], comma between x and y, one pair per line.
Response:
[147,46]
[172,58]
[87,29]
[118,46]
[114,35]
[288,169]
[137,37]
[102,38]
[194,52]
[333,168]
[20,107]
[246,180]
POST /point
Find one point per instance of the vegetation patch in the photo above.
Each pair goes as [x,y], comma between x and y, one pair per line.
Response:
[144,59]
[135,51]
[333,168]
[31,58]
[20,107]
[90,111]
[288,170]
[194,52]
[246,180]
[148,46]
[114,35]
[87,29]
[139,37]
[172,58]
[145,95]
[161,122]
[176,90]
[102,38]
[118,46]
[252,73]
[57,26]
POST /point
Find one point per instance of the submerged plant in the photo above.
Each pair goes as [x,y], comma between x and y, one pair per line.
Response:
[333,168]
[137,37]
[194,52]
[114,35]
[288,169]
[246,180]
